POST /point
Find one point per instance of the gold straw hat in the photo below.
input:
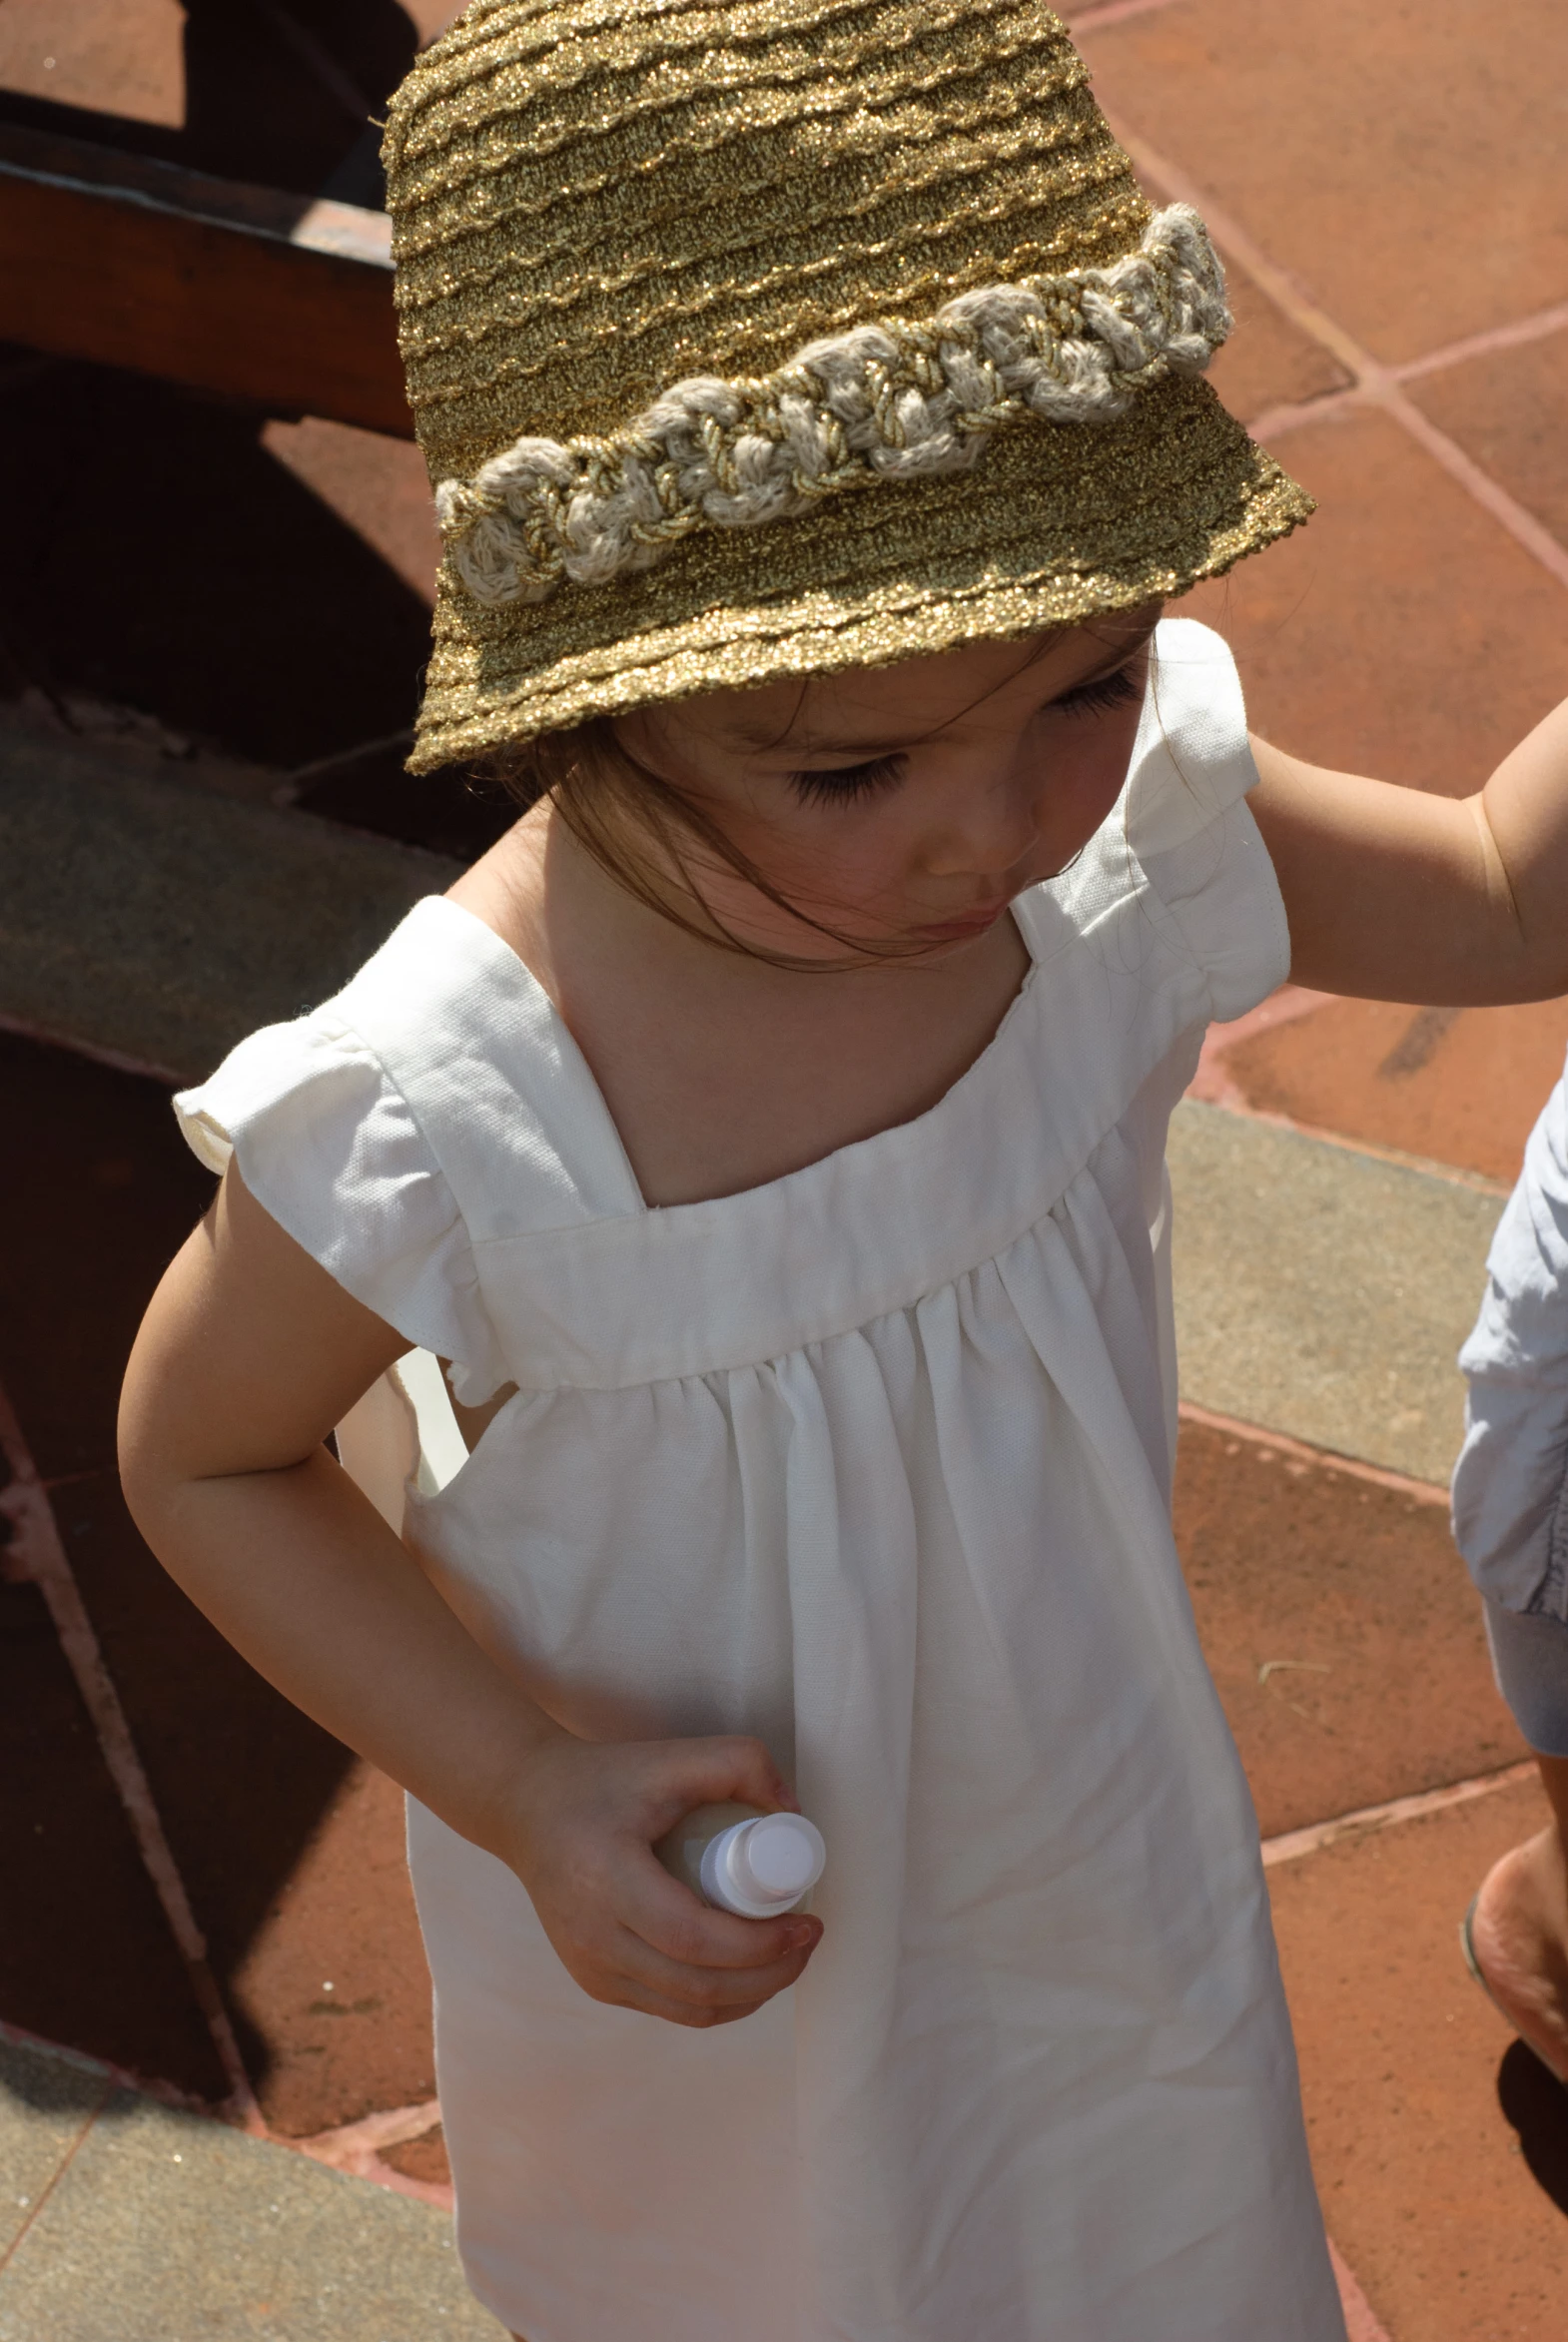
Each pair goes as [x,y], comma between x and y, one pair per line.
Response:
[765,339]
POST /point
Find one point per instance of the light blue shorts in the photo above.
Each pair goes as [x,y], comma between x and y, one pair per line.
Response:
[1530,1662]
[1510,1490]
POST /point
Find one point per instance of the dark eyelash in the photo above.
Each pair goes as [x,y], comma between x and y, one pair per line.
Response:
[842,784]
[1117,690]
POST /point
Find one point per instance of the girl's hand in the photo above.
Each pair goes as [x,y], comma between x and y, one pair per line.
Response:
[587,1814]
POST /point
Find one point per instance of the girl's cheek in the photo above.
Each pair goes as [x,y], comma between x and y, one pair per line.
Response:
[875,872]
[851,864]
[1090,781]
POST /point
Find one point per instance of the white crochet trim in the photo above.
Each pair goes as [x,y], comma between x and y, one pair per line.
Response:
[889,401]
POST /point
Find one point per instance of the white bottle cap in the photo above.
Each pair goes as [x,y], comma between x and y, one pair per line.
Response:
[760,1868]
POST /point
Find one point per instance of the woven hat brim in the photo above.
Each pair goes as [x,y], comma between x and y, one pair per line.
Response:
[1052,525]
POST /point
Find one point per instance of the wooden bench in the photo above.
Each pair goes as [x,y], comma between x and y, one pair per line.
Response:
[272,297]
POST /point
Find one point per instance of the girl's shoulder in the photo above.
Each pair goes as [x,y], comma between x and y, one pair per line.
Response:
[435,1103]
[1182,849]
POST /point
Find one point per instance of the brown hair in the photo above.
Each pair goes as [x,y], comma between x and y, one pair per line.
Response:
[618,808]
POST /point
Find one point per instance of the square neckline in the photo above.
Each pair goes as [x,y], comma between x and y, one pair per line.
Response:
[524,980]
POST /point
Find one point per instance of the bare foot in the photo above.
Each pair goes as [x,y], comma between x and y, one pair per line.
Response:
[1518,1934]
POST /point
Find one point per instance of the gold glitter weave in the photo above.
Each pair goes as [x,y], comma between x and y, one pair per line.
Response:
[597,200]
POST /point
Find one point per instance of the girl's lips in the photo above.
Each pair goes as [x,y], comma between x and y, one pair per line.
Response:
[950,930]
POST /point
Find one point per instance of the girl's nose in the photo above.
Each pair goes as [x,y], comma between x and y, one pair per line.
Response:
[988,828]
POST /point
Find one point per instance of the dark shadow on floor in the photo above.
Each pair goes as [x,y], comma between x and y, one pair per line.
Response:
[209,590]
[456,813]
[86,1957]
[282,93]
[1536,2106]
[212,602]
[96,1190]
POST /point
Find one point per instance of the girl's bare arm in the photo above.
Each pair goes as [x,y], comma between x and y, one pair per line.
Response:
[1396,895]
[247,1355]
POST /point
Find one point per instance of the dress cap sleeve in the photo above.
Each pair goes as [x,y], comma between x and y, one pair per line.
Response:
[329,1146]
[1188,826]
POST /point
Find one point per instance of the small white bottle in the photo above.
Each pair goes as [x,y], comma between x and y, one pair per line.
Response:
[740,1858]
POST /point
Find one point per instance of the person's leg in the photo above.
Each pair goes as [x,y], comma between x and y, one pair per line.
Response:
[1518,1930]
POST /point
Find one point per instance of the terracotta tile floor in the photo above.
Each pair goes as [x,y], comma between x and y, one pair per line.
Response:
[1415,630]
[1505,407]
[1403,163]
[1459,1086]
[332,1978]
[1386,182]
[1402,632]
[1342,1631]
[1269,361]
[1440,2146]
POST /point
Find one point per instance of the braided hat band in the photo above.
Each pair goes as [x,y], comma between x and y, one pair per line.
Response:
[883,401]
[753,339]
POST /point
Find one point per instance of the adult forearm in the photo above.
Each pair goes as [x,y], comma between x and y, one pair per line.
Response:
[1526,810]
[304,1578]
[1396,894]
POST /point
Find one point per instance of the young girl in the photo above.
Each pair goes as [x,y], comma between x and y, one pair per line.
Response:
[767,1138]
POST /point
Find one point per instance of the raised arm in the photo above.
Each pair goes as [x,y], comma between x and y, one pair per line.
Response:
[1393,894]
[248,1357]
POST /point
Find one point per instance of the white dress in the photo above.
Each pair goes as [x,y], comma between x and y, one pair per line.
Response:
[874,1461]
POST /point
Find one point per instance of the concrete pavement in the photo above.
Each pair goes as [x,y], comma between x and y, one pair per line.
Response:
[1323,1292]
[161,918]
[123,2217]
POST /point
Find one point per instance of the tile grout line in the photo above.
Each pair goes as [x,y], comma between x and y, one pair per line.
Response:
[1366,1820]
[1521,524]
[1362,2320]
[1292,414]
[1222,1098]
[392,2127]
[35,2210]
[1090,20]
[1213,1084]
[1285,1004]
[37,1548]
[1302,1451]
[353,2149]
[117,2077]
[115,1059]
[1374,384]
[1539,326]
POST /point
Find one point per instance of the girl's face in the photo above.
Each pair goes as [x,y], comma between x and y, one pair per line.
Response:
[907,804]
